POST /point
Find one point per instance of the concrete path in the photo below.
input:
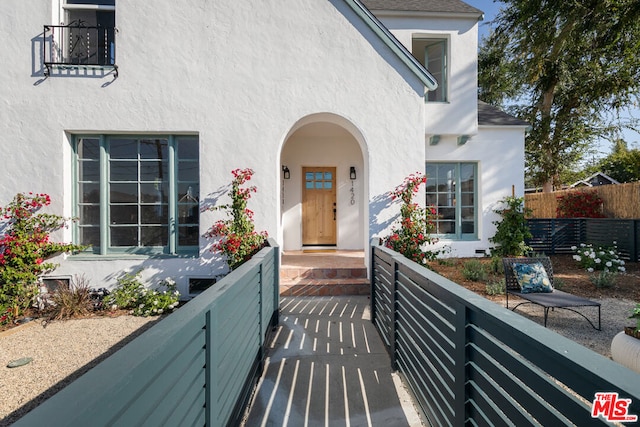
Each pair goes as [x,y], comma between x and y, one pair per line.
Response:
[327,366]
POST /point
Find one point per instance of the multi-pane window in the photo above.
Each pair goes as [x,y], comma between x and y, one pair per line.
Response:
[137,194]
[90,32]
[452,192]
[432,53]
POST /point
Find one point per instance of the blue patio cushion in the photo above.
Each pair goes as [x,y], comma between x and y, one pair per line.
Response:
[532,278]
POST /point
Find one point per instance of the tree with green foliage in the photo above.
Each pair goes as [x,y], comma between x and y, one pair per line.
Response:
[561,66]
[622,164]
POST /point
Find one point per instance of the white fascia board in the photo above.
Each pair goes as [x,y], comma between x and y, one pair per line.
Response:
[389,39]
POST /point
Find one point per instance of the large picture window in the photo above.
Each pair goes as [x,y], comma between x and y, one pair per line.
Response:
[452,192]
[137,194]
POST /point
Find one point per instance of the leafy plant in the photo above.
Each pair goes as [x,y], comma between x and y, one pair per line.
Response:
[25,246]
[581,204]
[155,302]
[635,314]
[602,258]
[131,294]
[604,279]
[496,266]
[413,232]
[496,287]
[71,300]
[474,270]
[126,293]
[512,229]
[237,238]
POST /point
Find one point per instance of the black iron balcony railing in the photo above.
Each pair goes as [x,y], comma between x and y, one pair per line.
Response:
[79,45]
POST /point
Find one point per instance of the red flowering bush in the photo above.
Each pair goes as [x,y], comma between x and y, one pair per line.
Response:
[237,238]
[24,248]
[581,204]
[414,230]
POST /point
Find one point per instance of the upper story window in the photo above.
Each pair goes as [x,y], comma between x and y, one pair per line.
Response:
[137,194]
[432,53]
[85,35]
[452,192]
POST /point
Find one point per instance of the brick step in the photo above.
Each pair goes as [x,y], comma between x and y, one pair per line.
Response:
[325,287]
[297,273]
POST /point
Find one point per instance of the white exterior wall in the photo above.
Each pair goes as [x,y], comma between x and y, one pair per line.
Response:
[499,153]
[458,116]
[240,75]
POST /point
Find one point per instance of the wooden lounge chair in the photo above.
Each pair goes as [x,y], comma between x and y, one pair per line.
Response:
[552,300]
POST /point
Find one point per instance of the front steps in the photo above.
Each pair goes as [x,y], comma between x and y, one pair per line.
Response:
[331,274]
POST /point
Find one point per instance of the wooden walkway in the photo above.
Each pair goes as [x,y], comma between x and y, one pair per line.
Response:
[327,366]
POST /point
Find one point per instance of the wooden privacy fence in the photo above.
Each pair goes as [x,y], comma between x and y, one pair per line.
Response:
[559,235]
[469,361]
[196,367]
[619,201]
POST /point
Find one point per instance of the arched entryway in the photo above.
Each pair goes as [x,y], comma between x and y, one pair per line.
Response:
[323,185]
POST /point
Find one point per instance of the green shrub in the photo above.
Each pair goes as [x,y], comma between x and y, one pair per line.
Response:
[512,229]
[558,283]
[635,314]
[131,294]
[474,270]
[604,279]
[126,294]
[496,287]
[496,266]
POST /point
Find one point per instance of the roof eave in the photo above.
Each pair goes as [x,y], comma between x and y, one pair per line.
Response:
[423,14]
[389,39]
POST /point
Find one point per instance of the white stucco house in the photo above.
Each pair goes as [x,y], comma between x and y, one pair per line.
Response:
[131,115]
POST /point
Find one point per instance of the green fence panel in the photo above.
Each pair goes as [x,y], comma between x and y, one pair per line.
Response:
[469,361]
[195,367]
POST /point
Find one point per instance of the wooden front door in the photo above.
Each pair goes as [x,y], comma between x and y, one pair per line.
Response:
[319,206]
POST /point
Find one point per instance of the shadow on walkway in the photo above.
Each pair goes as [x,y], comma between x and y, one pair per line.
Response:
[327,366]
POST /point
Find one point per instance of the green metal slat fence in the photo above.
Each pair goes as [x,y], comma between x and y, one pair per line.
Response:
[469,361]
[196,367]
[559,235]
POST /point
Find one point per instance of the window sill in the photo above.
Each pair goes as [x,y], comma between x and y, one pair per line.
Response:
[127,257]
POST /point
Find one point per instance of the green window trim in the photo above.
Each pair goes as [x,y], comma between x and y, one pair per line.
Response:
[432,52]
[136,194]
[452,190]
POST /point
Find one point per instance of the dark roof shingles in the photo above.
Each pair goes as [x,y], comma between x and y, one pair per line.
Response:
[488,115]
[450,6]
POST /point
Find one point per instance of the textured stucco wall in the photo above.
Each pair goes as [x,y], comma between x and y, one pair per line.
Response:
[499,153]
[240,75]
[458,116]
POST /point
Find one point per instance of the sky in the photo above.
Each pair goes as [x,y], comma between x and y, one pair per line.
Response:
[490,9]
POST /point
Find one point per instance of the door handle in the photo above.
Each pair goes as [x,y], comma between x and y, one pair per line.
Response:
[334,214]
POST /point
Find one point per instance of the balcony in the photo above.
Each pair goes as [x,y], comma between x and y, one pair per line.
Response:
[78,46]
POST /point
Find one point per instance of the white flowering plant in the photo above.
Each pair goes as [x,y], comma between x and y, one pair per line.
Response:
[131,294]
[154,302]
[602,258]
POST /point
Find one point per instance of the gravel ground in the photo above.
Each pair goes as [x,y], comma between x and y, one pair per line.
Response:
[614,313]
[62,351]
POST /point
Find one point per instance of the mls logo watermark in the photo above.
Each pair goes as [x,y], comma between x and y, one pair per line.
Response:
[612,408]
